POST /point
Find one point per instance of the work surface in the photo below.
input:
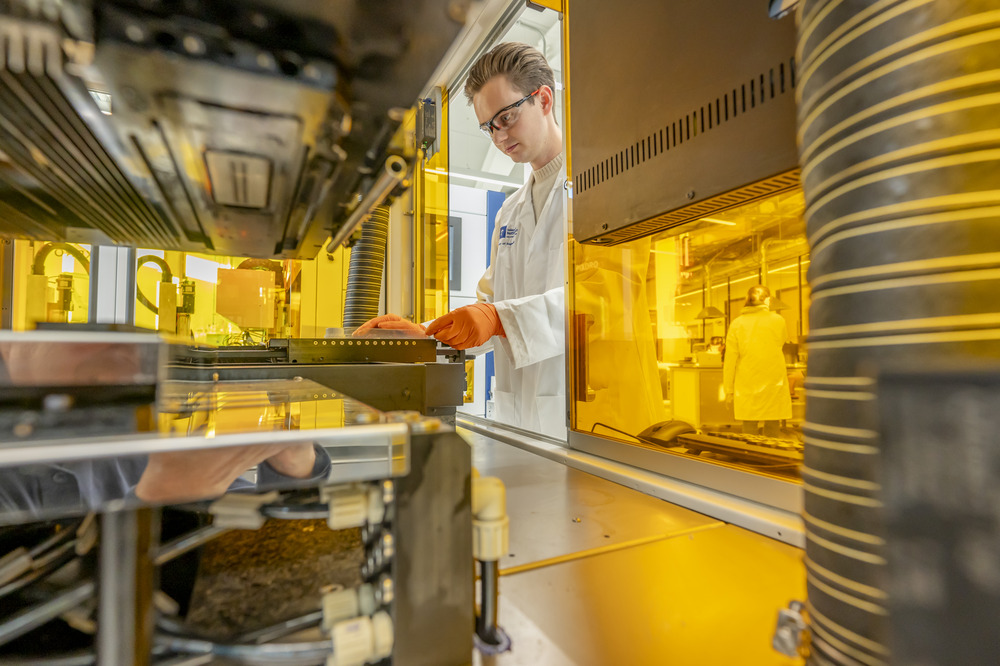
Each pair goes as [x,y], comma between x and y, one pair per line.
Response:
[599,574]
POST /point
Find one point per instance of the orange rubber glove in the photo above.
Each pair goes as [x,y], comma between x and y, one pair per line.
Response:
[391,322]
[467,327]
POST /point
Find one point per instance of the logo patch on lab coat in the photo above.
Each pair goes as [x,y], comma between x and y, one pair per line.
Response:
[507,235]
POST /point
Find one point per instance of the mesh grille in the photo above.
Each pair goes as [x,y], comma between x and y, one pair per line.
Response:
[731,199]
[728,106]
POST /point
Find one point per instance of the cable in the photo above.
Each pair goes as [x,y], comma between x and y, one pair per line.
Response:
[168,276]
[33,617]
[300,512]
[38,267]
[287,654]
[605,425]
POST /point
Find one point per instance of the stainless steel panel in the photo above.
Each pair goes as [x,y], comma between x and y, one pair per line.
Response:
[434,567]
[778,493]
[764,505]
[79,358]
[558,512]
[360,453]
[674,104]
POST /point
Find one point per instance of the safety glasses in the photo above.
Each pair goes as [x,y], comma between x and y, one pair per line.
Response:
[506,117]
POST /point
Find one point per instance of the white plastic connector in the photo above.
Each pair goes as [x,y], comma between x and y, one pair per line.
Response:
[348,506]
[344,604]
[383,635]
[361,640]
[240,511]
[339,606]
[376,505]
[490,524]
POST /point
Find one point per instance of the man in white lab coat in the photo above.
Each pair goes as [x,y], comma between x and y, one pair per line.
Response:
[521,297]
[754,374]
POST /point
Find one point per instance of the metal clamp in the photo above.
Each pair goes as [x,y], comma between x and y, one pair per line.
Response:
[791,632]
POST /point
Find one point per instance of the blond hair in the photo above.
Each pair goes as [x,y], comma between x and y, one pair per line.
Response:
[524,66]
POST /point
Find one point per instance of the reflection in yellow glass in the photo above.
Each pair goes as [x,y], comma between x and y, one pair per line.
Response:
[217,408]
[611,316]
[650,324]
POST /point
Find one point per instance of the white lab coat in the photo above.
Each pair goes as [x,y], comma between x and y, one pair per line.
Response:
[754,370]
[525,280]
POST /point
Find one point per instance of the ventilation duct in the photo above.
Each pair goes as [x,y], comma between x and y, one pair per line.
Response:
[899,149]
[364,277]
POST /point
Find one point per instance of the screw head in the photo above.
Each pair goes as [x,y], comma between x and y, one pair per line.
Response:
[193,45]
[259,21]
[135,33]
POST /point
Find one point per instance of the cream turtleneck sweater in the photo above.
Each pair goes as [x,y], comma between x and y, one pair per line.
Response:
[542,181]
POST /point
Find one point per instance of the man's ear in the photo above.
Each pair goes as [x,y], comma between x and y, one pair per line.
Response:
[547,99]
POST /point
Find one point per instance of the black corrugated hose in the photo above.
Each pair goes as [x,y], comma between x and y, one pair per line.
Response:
[898,105]
[38,266]
[364,278]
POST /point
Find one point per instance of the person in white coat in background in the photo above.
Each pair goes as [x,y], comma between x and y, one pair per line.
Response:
[754,375]
[521,297]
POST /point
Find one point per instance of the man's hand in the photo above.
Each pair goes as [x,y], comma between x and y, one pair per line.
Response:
[192,475]
[467,327]
[730,401]
[391,322]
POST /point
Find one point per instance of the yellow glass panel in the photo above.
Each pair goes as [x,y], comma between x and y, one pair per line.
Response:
[238,301]
[51,283]
[432,229]
[650,320]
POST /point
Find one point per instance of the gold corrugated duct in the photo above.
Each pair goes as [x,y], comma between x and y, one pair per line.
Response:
[897,109]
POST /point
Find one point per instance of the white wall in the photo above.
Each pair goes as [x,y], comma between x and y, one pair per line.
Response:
[469,204]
